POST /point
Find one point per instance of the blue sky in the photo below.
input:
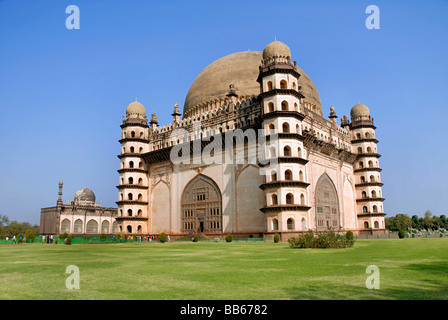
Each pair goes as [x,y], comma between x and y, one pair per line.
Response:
[63,92]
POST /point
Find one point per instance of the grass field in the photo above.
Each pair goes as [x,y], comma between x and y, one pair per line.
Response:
[409,269]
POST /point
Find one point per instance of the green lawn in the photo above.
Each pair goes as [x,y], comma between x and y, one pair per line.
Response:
[409,269]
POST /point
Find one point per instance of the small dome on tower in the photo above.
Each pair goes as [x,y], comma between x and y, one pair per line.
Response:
[85,194]
[276,49]
[359,110]
[135,108]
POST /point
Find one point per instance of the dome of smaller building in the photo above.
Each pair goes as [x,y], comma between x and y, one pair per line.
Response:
[276,49]
[85,194]
[135,108]
[359,110]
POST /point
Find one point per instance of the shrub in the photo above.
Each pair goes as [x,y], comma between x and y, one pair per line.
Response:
[68,240]
[323,240]
[349,235]
[87,237]
[163,238]
[120,235]
[401,234]
[63,236]
[30,235]
[103,236]
[229,238]
[276,238]
[195,238]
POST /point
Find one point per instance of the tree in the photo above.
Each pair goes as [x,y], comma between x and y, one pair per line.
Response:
[428,214]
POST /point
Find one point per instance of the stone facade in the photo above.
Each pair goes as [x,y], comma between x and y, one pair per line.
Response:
[327,176]
[80,217]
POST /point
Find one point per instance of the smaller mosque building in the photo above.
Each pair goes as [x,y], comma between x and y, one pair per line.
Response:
[80,217]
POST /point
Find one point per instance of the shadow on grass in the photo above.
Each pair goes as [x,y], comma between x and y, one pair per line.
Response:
[431,284]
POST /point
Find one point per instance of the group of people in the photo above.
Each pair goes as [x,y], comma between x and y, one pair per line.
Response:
[47,239]
[15,240]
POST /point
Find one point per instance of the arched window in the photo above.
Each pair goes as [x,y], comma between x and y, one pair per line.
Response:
[140,181]
[284,106]
[92,227]
[301,175]
[140,150]
[271,128]
[375,208]
[303,224]
[372,179]
[288,175]
[132,149]
[65,226]
[363,180]
[370,164]
[299,152]
[285,127]
[269,85]
[373,194]
[105,227]
[364,209]
[272,152]
[359,150]
[369,150]
[358,136]
[130,212]
[139,213]
[131,164]
[283,84]
[377,225]
[129,196]
[274,224]
[289,198]
[140,197]
[361,164]
[270,107]
[290,223]
[296,107]
[364,194]
[133,134]
[302,199]
[287,151]
[366,225]
[294,85]
[367,135]
[273,176]
[131,180]
[274,200]
[139,229]
[129,229]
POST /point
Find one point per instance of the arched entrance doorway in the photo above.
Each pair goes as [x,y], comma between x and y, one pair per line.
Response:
[201,207]
[327,208]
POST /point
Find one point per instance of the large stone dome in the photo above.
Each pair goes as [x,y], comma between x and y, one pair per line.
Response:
[242,70]
[85,194]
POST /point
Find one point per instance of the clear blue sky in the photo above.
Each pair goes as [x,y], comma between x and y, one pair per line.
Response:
[63,92]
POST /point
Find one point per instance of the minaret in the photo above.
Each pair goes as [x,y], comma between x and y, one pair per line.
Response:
[369,199]
[133,186]
[59,202]
[285,186]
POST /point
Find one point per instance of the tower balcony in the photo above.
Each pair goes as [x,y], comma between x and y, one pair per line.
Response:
[284,207]
[370,199]
[284,183]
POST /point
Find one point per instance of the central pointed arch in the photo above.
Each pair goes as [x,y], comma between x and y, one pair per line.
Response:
[327,204]
[201,206]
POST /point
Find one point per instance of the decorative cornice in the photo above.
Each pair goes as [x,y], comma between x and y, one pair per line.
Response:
[132,218]
[371,214]
[285,207]
[363,155]
[124,155]
[275,92]
[132,170]
[283,113]
[131,186]
[368,169]
[133,140]
[364,140]
[284,183]
[369,184]
[370,200]
[132,202]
